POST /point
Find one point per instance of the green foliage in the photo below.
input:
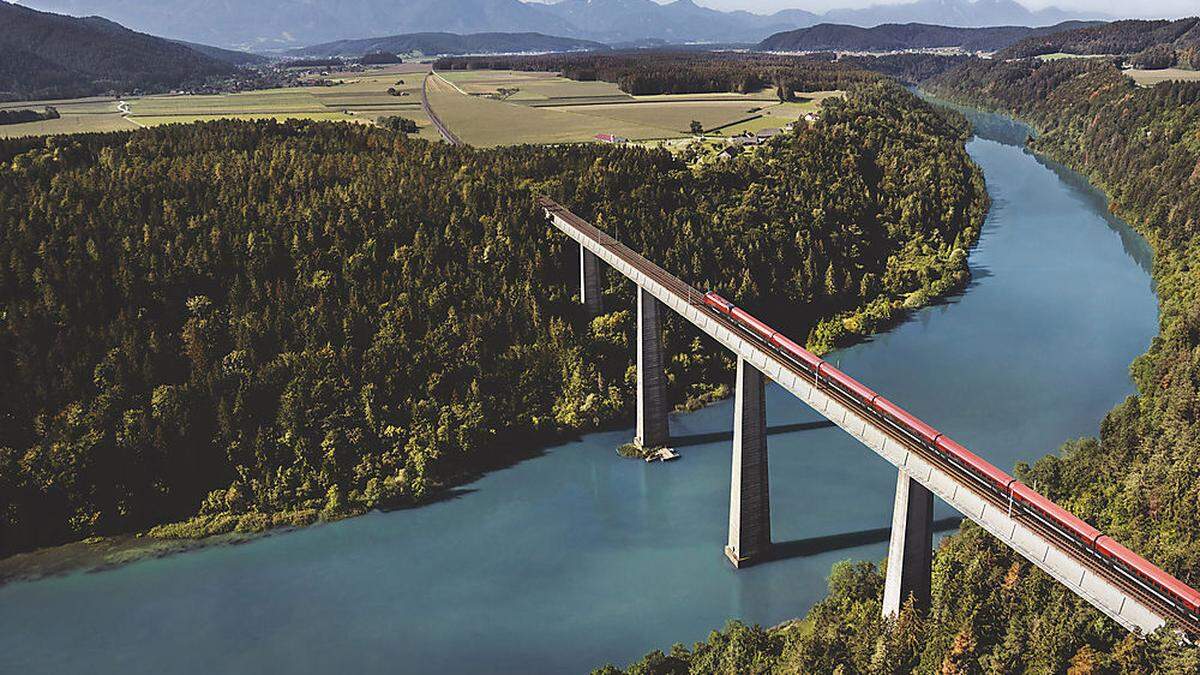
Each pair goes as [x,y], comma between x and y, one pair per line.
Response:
[397,123]
[27,115]
[1117,37]
[992,611]
[675,72]
[255,324]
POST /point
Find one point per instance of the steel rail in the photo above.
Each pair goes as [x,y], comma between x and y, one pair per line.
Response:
[448,135]
[1066,542]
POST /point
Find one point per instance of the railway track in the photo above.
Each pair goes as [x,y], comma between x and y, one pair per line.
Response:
[447,135]
[1124,580]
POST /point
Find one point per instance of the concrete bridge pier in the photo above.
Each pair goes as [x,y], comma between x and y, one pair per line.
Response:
[910,554]
[652,430]
[749,488]
[590,292]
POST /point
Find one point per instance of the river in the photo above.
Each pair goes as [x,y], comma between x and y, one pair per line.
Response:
[576,557]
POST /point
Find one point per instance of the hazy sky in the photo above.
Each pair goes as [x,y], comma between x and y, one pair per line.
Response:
[1140,8]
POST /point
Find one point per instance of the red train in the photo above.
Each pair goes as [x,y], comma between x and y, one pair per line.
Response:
[1023,500]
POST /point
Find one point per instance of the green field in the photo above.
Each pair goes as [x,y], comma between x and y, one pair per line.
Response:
[487,122]
[547,108]
[358,97]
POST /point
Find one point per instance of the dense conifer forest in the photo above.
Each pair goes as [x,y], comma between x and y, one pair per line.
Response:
[1140,480]
[1179,38]
[235,325]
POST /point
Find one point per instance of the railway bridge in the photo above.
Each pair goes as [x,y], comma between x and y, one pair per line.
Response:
[1115,580]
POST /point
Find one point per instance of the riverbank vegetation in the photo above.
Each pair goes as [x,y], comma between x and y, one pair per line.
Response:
[241,325]
[1139,480]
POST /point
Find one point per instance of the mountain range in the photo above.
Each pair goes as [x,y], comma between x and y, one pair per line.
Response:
[279,24]
[909,36]
[449,44]
[52,56]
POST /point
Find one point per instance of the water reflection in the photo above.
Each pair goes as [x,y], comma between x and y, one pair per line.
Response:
[576,558]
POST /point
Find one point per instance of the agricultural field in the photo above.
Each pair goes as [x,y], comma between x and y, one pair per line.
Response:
[501,107]
[487,122]
[535,88]
[1149,78]
[77,116]
[1058,56]
[357,97]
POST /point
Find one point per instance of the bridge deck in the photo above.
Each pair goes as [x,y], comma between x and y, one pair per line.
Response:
[1118,596]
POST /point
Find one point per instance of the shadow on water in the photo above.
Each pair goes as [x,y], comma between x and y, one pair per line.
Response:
[1135,246]
[798,548]
[718,436]
[1003,129]
[986,125]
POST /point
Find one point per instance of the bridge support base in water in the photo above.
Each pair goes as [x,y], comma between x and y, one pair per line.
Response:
[910,554]
[749,489]
[652,426]
[589,282]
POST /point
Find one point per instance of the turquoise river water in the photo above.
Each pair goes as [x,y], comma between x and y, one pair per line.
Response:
[576,557]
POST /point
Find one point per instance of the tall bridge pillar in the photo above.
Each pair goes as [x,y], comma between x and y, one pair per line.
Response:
[910,554]
[749,488]
[652,430]
[589,281]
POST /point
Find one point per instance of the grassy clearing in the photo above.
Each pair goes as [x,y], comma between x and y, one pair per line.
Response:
[1149,78]
[1056,56]
[775,116]
[486,122]
[466,101]
[674,117]
[533,86]
[69,124]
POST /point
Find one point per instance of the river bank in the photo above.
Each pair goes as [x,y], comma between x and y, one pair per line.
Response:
[545,562]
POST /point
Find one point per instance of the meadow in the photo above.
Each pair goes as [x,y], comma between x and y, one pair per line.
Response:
[1149,78]
[498,107]
[355,97]
[484,107]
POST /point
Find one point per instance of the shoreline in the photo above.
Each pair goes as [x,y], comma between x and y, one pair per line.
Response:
[101,553]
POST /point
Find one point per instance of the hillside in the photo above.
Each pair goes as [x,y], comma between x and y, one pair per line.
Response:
[275,24]
[450,44]
[51,56]
[897,37]
[230,56]
[1118,37]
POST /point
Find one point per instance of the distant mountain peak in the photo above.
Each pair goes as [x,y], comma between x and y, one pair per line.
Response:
[280,24]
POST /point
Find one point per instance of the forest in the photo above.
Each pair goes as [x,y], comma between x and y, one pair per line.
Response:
[1117,38]
[239,325]
[1139,480]
[22,115]
[680,72]
[46,56]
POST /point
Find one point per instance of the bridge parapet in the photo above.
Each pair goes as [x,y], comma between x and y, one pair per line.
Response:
[1065,563]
